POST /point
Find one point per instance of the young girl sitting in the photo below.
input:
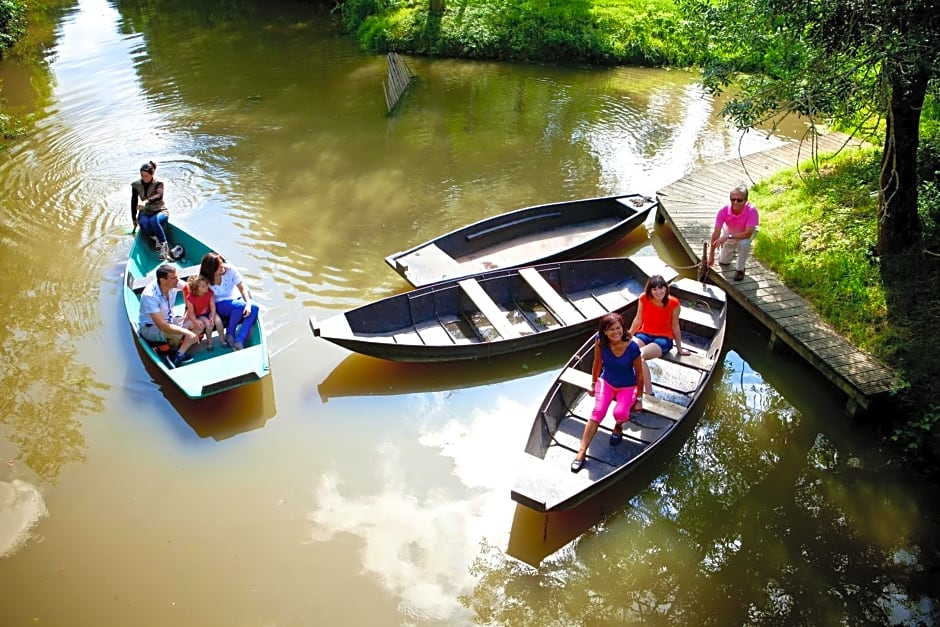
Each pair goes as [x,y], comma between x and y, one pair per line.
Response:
[200,309]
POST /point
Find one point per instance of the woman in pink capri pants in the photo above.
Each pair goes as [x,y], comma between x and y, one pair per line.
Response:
[616,375]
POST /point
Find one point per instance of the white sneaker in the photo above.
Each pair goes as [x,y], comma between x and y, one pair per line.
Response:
[164,251]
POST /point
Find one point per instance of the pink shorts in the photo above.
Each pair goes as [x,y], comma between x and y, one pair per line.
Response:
[605,394]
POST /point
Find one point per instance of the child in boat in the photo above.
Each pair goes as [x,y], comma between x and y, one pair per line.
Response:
[200,309]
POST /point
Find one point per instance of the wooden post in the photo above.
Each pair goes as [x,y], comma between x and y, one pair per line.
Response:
[399,77]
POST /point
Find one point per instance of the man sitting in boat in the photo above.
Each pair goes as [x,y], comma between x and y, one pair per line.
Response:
[157,322]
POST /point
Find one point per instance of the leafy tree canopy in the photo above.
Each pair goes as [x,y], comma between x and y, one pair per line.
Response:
[865,62]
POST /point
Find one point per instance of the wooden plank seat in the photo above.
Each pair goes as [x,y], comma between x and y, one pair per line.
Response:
[660,406]
[561,308]
[488,308]
[429,263]
[577,378]
[588,304]
[138,285]
[699,317]
[651,265]
[694,360]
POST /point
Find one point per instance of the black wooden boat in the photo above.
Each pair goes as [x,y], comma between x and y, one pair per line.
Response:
[492,313]
[524,237]
[545,481]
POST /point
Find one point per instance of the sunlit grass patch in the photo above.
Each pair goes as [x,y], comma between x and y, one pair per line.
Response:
[818,232]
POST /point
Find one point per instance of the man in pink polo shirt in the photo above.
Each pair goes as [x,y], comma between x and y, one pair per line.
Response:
[735,226]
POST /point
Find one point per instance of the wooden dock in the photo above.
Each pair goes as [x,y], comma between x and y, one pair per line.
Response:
[689,206]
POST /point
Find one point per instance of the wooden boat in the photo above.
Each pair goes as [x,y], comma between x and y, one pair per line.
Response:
[524,237]
[545,481]
[210,372]
[492,313]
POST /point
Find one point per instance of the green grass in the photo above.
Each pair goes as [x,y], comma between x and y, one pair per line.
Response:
[635,32]
[819,232]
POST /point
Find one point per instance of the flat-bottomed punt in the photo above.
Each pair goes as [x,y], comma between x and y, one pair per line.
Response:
[210,372]
[545,481]
[492,313]
[524,237]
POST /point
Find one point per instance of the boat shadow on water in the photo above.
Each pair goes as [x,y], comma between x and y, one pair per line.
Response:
[536,535]
[361,375]
[223,415]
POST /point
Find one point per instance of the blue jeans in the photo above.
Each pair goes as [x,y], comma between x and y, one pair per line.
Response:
[231,310]
[153,225]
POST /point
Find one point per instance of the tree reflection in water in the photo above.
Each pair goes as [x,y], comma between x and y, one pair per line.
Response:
[762,519]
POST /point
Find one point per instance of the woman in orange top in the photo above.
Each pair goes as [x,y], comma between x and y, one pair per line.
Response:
[656,327]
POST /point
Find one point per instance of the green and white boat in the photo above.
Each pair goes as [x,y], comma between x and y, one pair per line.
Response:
[210,372]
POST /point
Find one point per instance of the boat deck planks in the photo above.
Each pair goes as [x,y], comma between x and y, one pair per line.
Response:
[689,206]
[552,299]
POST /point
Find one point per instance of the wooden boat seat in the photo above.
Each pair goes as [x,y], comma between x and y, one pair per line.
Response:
[508,225]
[540,485]
[561,308]
[693,361]
[634,202]
[488,308]
[651,265]
[577,378]
[429,264]
[138,285]
[588,304]
[699,317]
[651,404]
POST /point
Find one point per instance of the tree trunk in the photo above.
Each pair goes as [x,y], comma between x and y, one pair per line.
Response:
[437,6]
[899,226]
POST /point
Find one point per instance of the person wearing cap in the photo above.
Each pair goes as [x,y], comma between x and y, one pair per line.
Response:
[735,226]
[148,211]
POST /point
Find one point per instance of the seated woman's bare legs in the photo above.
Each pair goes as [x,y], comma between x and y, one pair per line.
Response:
[649,351]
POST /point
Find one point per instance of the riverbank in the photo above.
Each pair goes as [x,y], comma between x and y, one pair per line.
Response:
[818,234]
[613,32]
[26,38]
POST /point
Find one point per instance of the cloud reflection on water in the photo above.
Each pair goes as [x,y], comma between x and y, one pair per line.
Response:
[421,544]
[21,509]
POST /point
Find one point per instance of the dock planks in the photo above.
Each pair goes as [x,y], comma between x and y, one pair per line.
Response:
[689,206]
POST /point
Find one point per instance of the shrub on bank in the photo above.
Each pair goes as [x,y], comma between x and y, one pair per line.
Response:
[597,33]
[12,23]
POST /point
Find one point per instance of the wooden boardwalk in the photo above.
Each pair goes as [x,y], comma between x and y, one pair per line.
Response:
[689,206]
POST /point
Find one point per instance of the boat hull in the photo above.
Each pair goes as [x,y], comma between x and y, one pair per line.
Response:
[545,482]
[492,313]
[210,372]
[524,237]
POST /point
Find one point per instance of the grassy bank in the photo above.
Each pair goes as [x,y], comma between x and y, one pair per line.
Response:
[818,232]
[605,32]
